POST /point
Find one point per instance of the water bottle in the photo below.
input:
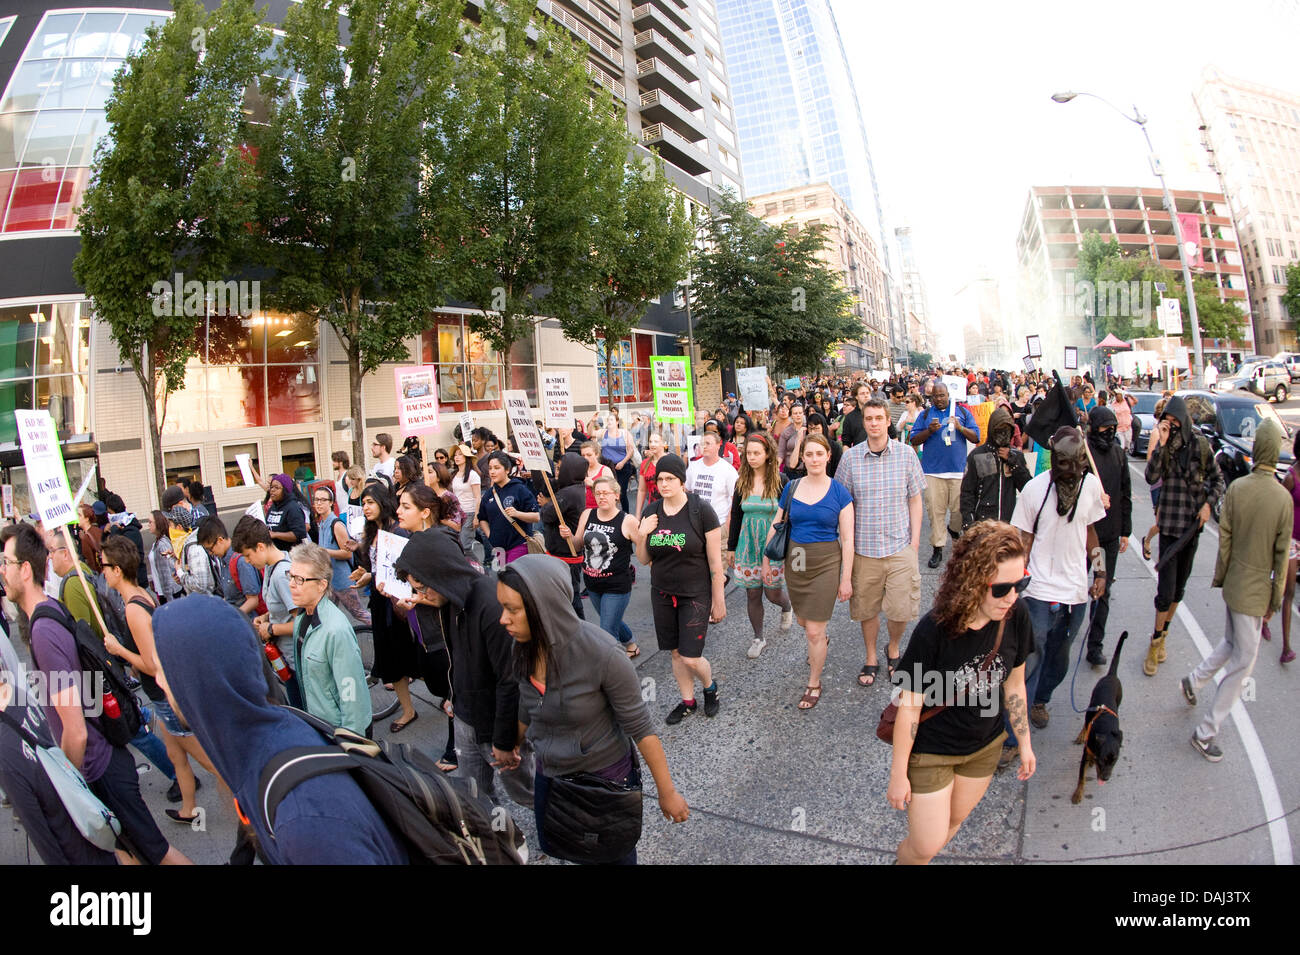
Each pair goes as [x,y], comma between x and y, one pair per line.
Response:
[111,707]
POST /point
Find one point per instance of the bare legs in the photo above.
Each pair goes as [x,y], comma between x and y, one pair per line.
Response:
[934,818]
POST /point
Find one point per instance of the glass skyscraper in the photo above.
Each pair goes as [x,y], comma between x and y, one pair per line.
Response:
[796,107]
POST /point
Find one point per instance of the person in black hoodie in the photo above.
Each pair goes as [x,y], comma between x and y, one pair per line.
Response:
[1114,529]
[995,474]
[457,605]
[130,528]
[569,504]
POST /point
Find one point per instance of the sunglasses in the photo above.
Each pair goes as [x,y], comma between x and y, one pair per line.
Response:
[1001,590]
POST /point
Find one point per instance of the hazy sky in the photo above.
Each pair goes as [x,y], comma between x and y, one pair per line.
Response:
[957,102]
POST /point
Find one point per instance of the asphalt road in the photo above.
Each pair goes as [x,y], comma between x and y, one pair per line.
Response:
[768,783]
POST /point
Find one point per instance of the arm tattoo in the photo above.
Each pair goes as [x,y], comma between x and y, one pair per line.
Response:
[1016,711]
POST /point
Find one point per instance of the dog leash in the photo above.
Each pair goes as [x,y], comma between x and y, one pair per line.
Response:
[1078,660]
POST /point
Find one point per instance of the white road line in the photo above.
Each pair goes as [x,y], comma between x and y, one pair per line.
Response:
[1279,833]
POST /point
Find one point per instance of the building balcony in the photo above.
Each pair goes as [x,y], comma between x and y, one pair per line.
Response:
[581,30]
[676,13]
[658,107]
[615,86]
[676,149]
[651,44]
[657,75]
[647,16]
[595,12]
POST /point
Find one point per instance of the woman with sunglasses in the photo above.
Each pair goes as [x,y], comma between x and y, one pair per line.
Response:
[332,534]
[963,667]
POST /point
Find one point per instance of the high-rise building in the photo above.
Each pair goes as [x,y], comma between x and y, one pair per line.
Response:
[275,386]
[851,252]
[915,304]
[796,105]
[1252,135]
[983,324]
[1052,230]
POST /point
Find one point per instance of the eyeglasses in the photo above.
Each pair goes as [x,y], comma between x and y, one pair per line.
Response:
[107,565]
[11,561]
[1001,590]
[324,500]
[300,581]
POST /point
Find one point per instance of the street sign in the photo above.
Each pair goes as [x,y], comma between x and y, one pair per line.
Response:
[1171,317]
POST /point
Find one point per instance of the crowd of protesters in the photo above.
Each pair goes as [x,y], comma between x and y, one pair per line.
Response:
[813,499]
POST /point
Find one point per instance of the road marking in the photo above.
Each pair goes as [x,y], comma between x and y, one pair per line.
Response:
[1279,833]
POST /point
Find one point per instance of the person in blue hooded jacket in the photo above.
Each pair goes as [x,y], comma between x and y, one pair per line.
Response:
[211,668]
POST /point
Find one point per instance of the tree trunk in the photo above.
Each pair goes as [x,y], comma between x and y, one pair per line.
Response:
[149,384]
[354,403]
[609,371]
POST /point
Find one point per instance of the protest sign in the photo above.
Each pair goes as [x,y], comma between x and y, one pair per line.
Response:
[674,399]
[356,521]
[752,385]
[792,383]
[557,400]
[1034,346]
[466,426]
[956,386]
[255,510]
[7,497]
[245,462]
[417,398]
[1071,358]
[524,428]
[388,547]
[47,479]
[1029,364]
[981,413]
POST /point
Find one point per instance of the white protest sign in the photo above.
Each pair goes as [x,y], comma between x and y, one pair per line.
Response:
[388,547]
[356,521]
[466,426]
[752,385]
[245,462]
[417,399]
[7,497]
[255,510]
[520,415]
[557,400]
[85,483]
[956,385]
[47,479]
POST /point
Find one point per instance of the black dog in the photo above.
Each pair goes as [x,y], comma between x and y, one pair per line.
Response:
[1101,736]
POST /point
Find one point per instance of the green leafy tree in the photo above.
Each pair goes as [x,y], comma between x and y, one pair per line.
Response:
[1118,290]
[1291,297]
[1217,319]
[643,237]
[517,168]
[920,359]
[819,315]
[171,192]
[341,167]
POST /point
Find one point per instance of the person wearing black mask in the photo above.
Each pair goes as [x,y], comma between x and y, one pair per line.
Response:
[995,474]
[1114,529]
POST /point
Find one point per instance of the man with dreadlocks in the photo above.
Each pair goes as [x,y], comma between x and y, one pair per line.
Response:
[1184,460]
[1056,514]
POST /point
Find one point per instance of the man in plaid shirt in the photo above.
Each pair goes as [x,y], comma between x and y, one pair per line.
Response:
[1181,457]
[886,481]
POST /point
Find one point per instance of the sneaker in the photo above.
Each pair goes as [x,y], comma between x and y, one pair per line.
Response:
[174,793]
[711,700]
[1039,716]
[679,713]
[1207,748]
[787,620]
[1096,657]
[1009,755]
[755,647]
[1189,691]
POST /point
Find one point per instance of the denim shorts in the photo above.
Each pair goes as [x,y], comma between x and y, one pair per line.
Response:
[167,716]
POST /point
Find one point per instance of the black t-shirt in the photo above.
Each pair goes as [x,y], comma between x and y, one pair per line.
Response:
[288,516]
[679,563]
[942,668]
[607,554]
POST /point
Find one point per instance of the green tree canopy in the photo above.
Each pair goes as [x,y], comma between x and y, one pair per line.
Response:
[1291,297]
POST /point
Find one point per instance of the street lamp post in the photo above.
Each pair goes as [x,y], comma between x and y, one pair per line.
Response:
[1198,360]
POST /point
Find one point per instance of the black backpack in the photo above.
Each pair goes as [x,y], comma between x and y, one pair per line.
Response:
[110,604]
[442,820]
[98,662]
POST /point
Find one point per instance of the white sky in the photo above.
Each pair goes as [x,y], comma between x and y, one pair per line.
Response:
[956,97]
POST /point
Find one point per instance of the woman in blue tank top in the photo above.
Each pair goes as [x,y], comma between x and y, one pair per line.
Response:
[616,448]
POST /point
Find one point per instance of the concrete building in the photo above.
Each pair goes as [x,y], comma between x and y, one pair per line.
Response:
[275,386]
[984,326]
[1055,220]
[851,251]
[1252,136]
[915,302]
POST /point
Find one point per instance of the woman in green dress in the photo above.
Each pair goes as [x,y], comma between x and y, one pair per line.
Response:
[752,508]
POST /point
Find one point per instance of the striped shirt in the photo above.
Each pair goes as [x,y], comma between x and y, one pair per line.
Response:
[881,484]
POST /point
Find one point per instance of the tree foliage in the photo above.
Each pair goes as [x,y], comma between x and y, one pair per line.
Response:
[919,360]
[171,192]
[341,166]
[1291,297]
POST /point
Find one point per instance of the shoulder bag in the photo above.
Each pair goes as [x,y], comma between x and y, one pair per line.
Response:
[536,543]
[779,542]
[590,820]
[885,728]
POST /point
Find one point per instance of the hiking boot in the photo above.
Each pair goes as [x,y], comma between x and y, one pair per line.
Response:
[680,712]
[1096,657]
[711,700]
[1189,691]
[936,558]
[1009,755]
[1161,653]
[787,620]
[1207,748]
[1152,662]
[755,648]
[1039,716]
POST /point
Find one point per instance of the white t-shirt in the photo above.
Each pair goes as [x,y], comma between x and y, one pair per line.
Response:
[1059,561]
[386,468]
[716,483]
[468,492]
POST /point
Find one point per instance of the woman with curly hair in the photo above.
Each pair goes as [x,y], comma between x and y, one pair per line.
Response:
[964,665]
[752,508]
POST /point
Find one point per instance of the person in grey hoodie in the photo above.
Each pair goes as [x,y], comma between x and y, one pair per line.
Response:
[579,697]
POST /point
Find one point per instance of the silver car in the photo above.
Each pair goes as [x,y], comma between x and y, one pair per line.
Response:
[1268,379]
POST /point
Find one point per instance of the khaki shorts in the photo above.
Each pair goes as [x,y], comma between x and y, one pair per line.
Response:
[928,773]
[889,583]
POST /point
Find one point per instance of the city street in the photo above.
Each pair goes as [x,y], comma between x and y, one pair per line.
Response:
[768,783]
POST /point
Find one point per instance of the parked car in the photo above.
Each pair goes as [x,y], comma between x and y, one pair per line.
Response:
[1292,362]
[1229,421]
[1144,420]
[1268,379]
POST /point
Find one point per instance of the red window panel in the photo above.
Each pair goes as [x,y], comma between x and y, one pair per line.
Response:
[34,195]
[7,177]
[70,190]
[644,345]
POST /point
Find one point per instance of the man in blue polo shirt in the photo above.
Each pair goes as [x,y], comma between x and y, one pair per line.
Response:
[942,432]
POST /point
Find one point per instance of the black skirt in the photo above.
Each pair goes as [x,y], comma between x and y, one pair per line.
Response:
[396,653]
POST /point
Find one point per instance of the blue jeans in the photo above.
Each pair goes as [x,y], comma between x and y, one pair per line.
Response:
[1055,627]
[610,607]
[151,747]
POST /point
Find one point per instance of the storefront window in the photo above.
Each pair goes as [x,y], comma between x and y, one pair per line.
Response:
[230,462]
[630,368]
[45,364]
[469,368]
[182,465]
[298,458]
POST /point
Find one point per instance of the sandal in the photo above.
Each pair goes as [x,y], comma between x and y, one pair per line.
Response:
[1146,547]
[892,665]
[808,701]
[870,671]
[633,651]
